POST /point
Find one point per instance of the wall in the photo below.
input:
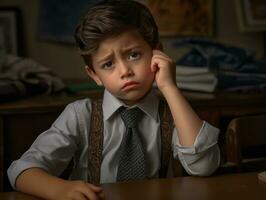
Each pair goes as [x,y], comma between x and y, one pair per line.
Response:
[64,60]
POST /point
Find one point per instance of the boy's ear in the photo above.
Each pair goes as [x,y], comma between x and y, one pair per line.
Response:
[91,73]
[159,46]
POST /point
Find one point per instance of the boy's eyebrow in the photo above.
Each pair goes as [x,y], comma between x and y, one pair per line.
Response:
[134,46]
[125,49]
[105,57]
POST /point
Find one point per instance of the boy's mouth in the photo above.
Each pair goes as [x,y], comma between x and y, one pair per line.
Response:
[130,85]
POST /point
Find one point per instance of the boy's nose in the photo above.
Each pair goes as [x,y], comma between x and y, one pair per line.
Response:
[125,69]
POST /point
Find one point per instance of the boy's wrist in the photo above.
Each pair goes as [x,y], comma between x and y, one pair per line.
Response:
[169,89]
[59,188]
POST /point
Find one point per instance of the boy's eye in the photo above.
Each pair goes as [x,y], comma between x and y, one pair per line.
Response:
[108,65]
[133,56]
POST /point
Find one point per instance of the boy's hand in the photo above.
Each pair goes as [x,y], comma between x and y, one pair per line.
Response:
[54,188]
[164,69]
[79,190]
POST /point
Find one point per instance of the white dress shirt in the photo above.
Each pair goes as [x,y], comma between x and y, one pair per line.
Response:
[68,137]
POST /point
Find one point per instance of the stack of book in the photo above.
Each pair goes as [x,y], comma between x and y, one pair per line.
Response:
[204,80]
[196,78]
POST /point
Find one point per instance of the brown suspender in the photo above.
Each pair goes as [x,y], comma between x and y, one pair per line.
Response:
[95,146]
[95,143]
[166,141]
[166,137]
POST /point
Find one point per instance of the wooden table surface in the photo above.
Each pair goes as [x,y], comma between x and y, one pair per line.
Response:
[245,186]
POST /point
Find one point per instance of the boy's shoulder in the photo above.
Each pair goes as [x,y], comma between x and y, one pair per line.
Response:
[80,106]
[81,102]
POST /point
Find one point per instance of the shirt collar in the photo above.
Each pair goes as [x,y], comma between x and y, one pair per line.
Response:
[149,104]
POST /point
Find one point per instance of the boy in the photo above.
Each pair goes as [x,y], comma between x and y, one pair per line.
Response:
[119,43]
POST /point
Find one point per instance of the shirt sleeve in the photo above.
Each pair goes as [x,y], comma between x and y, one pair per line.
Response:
[203,158]
[52,150]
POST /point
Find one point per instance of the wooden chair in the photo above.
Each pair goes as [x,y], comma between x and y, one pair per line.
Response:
[246,143]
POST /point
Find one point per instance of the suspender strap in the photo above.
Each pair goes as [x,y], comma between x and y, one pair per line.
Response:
[166,136]
[167,159]
[95,147]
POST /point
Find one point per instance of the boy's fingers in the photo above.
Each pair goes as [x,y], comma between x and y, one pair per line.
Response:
[88,191]
[80,196]
[95,188]
[90,194]
[101,195]
[160,53]
[98,190]
[162,58]
[154,67]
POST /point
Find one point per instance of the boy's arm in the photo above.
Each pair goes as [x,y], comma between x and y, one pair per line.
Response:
[38,182]
[35,172]
[186,120]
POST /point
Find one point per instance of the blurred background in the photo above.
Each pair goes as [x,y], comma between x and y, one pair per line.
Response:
[63,59]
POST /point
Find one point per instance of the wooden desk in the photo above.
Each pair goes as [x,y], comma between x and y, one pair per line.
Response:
[23,120]
[230,187]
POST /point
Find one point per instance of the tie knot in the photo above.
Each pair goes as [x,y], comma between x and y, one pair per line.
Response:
[130,116]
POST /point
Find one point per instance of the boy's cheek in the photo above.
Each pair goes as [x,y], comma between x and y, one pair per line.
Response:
[149,74]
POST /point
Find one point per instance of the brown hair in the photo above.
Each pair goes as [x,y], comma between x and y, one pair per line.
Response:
[110,18]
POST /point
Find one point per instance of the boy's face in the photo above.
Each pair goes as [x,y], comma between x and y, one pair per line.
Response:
[122,64]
